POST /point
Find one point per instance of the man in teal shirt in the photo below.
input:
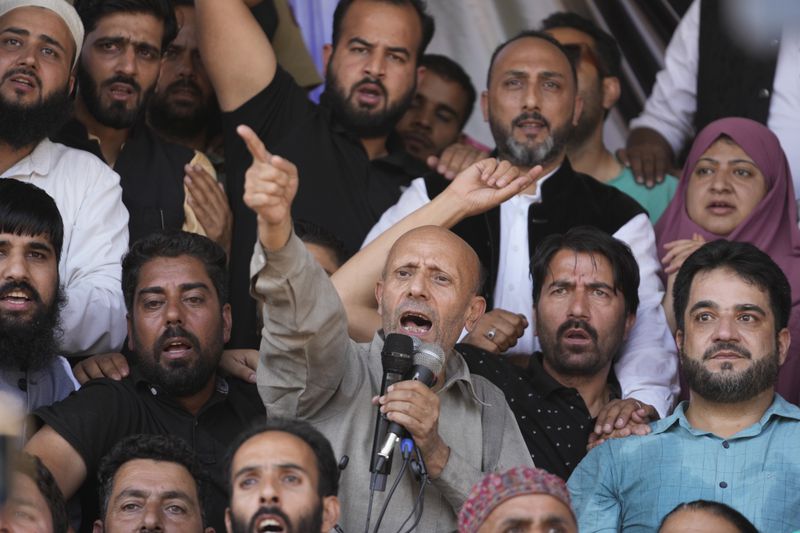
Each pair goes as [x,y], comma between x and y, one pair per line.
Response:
[735,440]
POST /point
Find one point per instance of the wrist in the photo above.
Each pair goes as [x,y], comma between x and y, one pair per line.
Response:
[436,458]
[273,237]
[449,208]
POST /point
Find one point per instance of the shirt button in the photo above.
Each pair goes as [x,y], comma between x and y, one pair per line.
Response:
[763,93]
[726,444]
[723,485]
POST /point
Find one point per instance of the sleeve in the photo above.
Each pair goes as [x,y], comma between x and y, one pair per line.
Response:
[414,197]
[648,367]
[670,108]
[305,348]
[93,320]
[593,493]
[92,419]
[501,433]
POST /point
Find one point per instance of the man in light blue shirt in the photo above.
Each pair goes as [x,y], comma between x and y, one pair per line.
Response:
[735,441]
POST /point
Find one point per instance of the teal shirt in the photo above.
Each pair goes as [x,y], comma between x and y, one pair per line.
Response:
[630,484]
[654,200]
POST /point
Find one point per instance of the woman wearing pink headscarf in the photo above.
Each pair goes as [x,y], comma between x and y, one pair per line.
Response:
[736,185]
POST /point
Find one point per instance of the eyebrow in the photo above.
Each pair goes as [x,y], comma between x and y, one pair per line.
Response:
[550,74]
[396,49]
[183,286]
[166,495]
[43,36]
[283,466]
[712,160]
[708,304]
[123,40]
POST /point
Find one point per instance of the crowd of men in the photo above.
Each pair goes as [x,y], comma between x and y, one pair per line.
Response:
[224,307]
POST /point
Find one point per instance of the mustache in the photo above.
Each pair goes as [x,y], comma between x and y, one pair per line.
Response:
[577,324]
[724,346]
[276,511]
[121,78]
[22,70]
[11,286]
[532,115]
[369,81]
[184,83]
[175,331]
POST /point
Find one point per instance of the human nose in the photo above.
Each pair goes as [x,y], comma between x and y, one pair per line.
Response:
[269,491]
[14,266]
[531,97]
[423,117]
[27,56]
[726,329]
[578,307]
[174,312]
[418,286]
[376,65]
[720,181]
[151,518]
[126,64]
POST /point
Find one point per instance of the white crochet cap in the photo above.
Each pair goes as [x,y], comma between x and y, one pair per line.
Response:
[62,8]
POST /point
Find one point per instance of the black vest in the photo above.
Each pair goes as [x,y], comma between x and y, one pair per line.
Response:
[569,199]
[730,81]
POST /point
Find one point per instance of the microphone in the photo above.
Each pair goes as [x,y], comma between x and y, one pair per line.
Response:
[397,359]
[428,363]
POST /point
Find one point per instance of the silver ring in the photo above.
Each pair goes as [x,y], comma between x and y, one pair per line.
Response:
[491,334]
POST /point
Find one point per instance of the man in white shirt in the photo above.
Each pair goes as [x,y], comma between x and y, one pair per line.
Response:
[532,105]
[41,41]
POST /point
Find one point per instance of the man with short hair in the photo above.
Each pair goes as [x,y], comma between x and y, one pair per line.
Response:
[353,166]
[175,290]
[44,38]
[735,440]
[532,105]
[441,107]
[150,482]
[585,298]
[117,73]
[266,455]
[311,369]
[34,503]
[599,71]
[520,499]
[31,297]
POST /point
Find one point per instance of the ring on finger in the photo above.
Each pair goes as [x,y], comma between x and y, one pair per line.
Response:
[491,334]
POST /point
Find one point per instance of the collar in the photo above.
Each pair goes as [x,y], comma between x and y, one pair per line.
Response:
[546,384]
[38,162]
[779,408]
[220,392]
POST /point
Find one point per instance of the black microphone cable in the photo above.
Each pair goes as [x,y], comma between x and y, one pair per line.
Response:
[406,447]
[419,504]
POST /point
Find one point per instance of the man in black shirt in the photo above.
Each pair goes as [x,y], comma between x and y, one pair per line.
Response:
[585,300]
[174,287]
[353,168]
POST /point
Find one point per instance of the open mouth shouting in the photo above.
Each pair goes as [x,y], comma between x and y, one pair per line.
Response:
[369,93]
[269,520]
[18,296]
[415,323]
[23,80]
[176,343]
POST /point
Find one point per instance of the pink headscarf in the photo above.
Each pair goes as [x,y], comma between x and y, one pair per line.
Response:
[772,226]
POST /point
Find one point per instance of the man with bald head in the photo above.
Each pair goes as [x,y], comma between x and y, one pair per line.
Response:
[310,369]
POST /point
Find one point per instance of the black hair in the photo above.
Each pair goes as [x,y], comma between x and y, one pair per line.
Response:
[590,240]
[427,24]
[91,11]
[32,467]
[452,71]
[729,514]
[327,467]
[315,234]
[572,58]
[606,47]
[174,243]
[26,209]
[747,262]
[162,448]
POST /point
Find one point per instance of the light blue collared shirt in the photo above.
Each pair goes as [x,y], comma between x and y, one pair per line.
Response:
[630,484]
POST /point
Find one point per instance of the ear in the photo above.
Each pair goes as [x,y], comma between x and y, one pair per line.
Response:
[227,322]
[228,520]
[535,322]
[209,530]
[477,306]
[420,74]
[784,338]
[485,105]
[577,110]
[611,91]
[327,52]
[679,338]
[71,83]
[131,344]
[97,526]
[630,320]
[330,512]
[379,296]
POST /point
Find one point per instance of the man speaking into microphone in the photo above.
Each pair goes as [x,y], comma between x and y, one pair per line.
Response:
[309,368]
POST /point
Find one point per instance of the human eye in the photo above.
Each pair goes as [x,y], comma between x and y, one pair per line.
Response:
[600,293]
[108,46]
[171,52]
[748,318]
[513,83]
[551,85]
[703,170]
[703,317]
[174,508]
[445,118]
[743,172]
[145,52]
[248,482]
[194,299]
[291,479]
[403,273]
[12,42]
[441,278]
[397,58]
[130,506]
[151,304]
[358,49]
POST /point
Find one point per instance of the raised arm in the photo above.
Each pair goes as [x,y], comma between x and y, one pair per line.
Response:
[237,55]
[479,187]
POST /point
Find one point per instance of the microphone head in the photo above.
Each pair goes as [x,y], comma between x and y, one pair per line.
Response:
[430,356]
[398,343]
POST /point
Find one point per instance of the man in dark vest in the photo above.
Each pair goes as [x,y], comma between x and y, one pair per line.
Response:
[532,105]
[703,80]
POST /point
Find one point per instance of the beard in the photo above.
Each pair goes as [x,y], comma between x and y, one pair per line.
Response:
[727,386]
[593,358]
[524,154]
[30,344]
[26,125]
[308,523]
[366,123]
[180,121]
[180,378]
[115,115]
